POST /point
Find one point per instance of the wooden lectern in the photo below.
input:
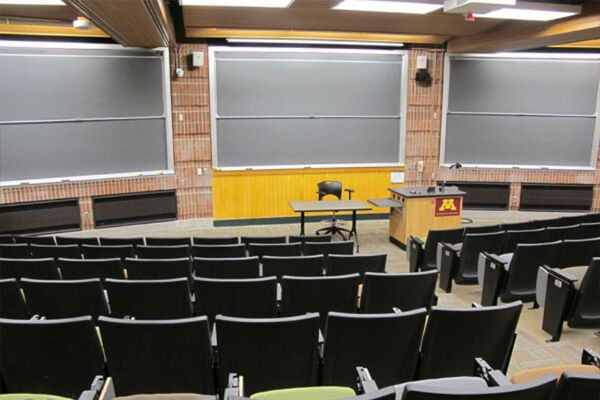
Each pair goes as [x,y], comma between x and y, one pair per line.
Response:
[415,210]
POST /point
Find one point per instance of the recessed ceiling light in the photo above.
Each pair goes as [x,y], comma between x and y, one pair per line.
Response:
[238,3]
[533,11]
[32,2]
[316,42]
[405,7]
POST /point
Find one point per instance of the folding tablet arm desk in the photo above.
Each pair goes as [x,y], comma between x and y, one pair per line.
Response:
[414,211]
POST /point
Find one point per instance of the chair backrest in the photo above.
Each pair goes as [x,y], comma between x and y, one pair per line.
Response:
[482,229]
[540,389]
[178,251]
[577,252]
[294,266]
[523,269]
[7,239]
[329,188]
[559,221]
[263,239]
[474,244]
[309,238]
[436,236]
[573,385]
[12,303]
[344,264]
[149,268]
[227,268]
[271,353]
[120,251]
[35,268]
[205,240]
[93,241]
[586,311]
[512,238]
[54,251]
[116,241]
[149,299]
[91,268]
[64,299]
[166,356]
[382,292]
[219,251]
[46,240]
[373,341]
[168,241]
[60,356]
[301,295]
[519,226]
[275,249]
[454,337]
[252,298]
[589,230]
[554,233]
[19,250]
[341,247]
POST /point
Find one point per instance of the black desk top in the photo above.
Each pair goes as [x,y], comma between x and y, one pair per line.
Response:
[413,192]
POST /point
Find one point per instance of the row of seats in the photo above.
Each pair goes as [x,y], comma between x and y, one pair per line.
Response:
[178,356]
[171,298]
[24,250]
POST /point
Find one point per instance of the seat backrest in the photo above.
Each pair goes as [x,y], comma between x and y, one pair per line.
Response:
[309,238]
[554,233]
[574,385]
[589,230]
[149,299]
[577,252]
[590,218]
[35,268]
[60,356]
[454,337]
[474,244]
[559,221]
[344,264]
[29,239]
[166,356]
[512,238]
[7,239]
[270,353]
[112,241]
[294,266]
[341,247]
[163,251]
[93,241]
[382,292]
[329,188]
[252,298]
[54,251]
[206,240]
[482,229]
[353,340]
[540,389]
[12,303]
[519,226]
[227,268]
[91,268]
[64,299]
[263,239]
[435,236]
[301,295]
[168,241]
[219,251]
[148,268]
[19,250]
[275,249]
[120,251]
[523,268]
[586,311]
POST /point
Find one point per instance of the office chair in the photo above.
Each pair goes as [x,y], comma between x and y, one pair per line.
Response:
[333,188]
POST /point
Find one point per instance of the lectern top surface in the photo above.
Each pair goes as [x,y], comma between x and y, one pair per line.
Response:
[422,192]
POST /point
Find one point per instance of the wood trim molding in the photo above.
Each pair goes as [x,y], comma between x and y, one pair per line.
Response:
[49,30]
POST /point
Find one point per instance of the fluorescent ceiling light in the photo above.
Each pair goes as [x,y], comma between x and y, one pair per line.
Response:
[315,42]
[405,7]
[238,3]
[533,11]
[32,2]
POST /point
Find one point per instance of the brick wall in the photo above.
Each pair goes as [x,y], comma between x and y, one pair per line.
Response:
[192,147]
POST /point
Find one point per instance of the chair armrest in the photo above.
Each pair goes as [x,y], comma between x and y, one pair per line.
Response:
[493,377]
[590,357]
[416,240]
[235,386]
[365,382]
[450,246]
[415,253]
[494,258]
[560,274]
[95,389]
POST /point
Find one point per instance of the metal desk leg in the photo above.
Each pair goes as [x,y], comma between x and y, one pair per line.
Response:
[353,231]
[302,223]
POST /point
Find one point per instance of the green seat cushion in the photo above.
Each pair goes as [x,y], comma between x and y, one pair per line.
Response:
[30,396]
[306,393]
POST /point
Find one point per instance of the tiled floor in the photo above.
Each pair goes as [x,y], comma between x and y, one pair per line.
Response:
[530,350]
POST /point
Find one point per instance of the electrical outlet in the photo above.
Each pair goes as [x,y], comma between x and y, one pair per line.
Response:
[420,165]
[200,171]
[180,116]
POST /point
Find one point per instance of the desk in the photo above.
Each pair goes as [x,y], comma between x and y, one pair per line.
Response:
[330,206]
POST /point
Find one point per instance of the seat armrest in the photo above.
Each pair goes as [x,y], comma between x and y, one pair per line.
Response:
[476,305]
[590,357]
[96,388]
[493,377]
[450,246]
[560,274]
[494,258]
[416,240]
[235,386]
[321,339]
[365,382]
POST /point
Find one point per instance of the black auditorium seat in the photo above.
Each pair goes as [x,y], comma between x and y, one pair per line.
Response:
[344,264]
[309,238]
[91,268]
[168,241]
[35,268]
[520,226]
[294,266]
[54,251]
[116,241]
[578,252]
[120,251]
[326,248]
[274,249]
[512,238]
[207,240]
[482,229]
[554,233]
[29,239]
[422,256]
[219,251]
[12,303]
[92,241]
[19,250]
[589,230]
[263,239]
[7,239]
[146,268]
[227,268]
[176,251]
